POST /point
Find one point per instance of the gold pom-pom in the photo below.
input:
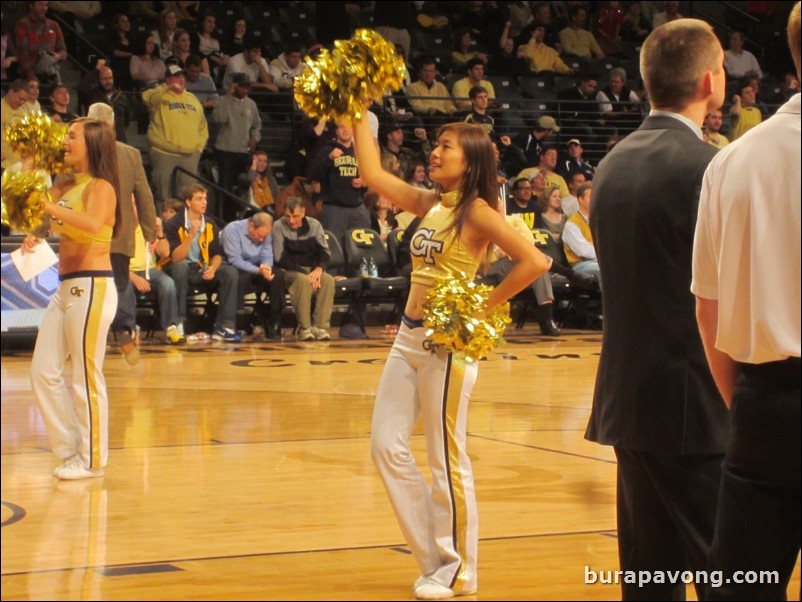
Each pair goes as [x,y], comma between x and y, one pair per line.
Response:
[23,200]
[451,314]
[37,136]
[338,83]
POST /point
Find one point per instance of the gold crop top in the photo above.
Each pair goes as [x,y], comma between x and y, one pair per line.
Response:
[436,252]
[73,200]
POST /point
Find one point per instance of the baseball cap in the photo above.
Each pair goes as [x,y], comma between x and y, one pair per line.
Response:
[573,141]
[241,79]
[547,122]
[173,70]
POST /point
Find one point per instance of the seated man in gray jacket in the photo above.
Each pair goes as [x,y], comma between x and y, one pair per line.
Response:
[301,250]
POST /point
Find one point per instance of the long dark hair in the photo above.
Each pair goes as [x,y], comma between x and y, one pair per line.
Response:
[101,154]
[481,177]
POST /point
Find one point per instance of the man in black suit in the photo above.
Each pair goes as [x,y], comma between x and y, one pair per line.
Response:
[655,400]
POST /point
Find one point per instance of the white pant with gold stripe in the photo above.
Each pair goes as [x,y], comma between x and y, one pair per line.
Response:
[440,523]
[75,325]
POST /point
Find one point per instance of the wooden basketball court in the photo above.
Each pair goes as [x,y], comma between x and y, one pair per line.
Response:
[243,473]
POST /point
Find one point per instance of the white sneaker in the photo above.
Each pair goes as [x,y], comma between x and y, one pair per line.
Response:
[306,334]
[64,462]
[74,469]
[180,328]
[426,588]
[321,334]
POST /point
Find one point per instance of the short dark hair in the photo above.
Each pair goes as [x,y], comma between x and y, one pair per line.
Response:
[580,192]
[251,43]
[476,91]
[473,62]
[193,60]
[518,181]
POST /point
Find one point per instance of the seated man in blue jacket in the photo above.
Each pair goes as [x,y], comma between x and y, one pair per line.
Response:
[248,245]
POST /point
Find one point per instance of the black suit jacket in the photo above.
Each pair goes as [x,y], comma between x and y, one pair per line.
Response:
[654,390]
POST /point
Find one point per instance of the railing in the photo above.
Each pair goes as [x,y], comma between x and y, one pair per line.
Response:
[87,50]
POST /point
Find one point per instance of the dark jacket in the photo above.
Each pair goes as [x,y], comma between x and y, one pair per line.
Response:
[654,390]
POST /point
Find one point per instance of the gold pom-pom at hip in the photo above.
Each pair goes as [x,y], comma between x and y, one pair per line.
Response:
[338,84]
[23,200]
[38,137]
[452,314]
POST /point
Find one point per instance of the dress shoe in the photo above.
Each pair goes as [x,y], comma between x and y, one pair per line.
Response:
[582,280]
[549,328]
[274,332]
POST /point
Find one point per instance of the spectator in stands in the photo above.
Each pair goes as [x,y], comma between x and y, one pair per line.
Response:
[542,13]
[753,80]
[394,145]
[301,250]
[314,135]
[429,98]
[511,158]
[235,40]
[578,109]
[670,13]
[181,51]
[521,18]
[146,66]
[482,19]
[578,239]
[788,87]
[501,265]
[8,51]
[475,69]
[248,244]
[738,61]
[60,101]
[200,84]
[541,58]
[635,27]
[197,260]
[177,132]
[417,175]
[258,186]
[575,163]
[170,208]
[712,129]
[532,141]
[13,107]
[479,114]
[465,50]
[394,21]
[163,36]
[205,44]
[340,185]
[250,62]
[505,60]
[618,105]
[98,86]
[75,12]
[122,49]
[32,104]
[744,115]
[609,21]
[145,277]
[575,39]
[570,203]
[382,215]
[546,167]
[40,44]
[287,66]
[523,202]
[240,129]
[187,10]
[304,189]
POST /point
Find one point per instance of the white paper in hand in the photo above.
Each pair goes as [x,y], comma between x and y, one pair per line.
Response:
[34,262]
